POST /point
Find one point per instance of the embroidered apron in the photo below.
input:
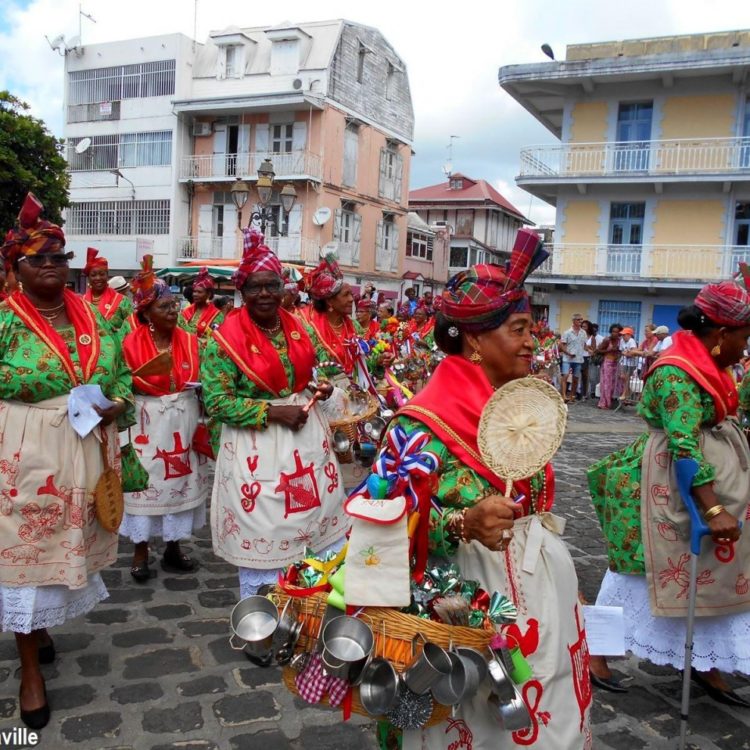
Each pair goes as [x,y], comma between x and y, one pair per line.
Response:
[537,572]
[723,570]
[277,492]
[49,533]
[179,478]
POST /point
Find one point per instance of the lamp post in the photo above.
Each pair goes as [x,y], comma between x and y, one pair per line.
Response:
[117,173]
[262,213]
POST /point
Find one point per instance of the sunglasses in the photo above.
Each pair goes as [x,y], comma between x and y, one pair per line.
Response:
[41,259]
[273,287]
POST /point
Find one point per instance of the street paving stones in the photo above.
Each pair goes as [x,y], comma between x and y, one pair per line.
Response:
[151,667]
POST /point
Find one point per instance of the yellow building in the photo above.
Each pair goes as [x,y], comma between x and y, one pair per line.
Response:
[651,178]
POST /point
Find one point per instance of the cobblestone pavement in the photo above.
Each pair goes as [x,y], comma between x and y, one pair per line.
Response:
[151,667]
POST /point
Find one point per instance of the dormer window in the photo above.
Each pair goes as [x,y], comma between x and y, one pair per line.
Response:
[285,57]
[457,184]
[235,50]
[233,62]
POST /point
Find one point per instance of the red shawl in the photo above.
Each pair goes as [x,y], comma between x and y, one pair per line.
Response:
[450,405]
[373,330]
[689,355]
[84,323]
[108,302]
[342,348]
[426,329]
[254,354]
[209,312]
[139,348]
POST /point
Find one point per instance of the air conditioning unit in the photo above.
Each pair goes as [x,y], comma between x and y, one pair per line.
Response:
[201,128]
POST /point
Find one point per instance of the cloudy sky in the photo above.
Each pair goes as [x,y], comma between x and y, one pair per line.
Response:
[452,50]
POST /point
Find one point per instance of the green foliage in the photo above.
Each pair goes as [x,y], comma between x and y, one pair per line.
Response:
[31,159]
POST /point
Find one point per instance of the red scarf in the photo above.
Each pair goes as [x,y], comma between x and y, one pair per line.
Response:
[86,331]
[426,329]
[689,355]
[209,312]
[372,330]
[108,302]
[341,347]
[252,351]
[450,405]
[139,348]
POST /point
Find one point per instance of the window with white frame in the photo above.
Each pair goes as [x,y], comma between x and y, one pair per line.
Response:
[347,229]
[232,68]
[284,57]
[282,138]
[419,246]
[152,149]
[386,251]
[141,217]
[121,82]
[391,174]
[459,257]
[351,155]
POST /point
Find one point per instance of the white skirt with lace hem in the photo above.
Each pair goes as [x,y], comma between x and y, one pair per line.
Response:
[722,642]
[27,608]
[171,527]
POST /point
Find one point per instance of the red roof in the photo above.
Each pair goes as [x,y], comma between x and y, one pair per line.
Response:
[476,191]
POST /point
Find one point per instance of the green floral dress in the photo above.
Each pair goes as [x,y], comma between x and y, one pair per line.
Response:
[671,401]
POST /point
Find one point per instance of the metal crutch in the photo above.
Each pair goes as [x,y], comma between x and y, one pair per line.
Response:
[685,470]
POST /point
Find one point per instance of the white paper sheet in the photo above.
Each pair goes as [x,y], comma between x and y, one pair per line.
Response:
[605,630]
[81,412]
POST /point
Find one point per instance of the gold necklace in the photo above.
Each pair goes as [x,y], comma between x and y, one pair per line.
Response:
[273,330]
[50,313]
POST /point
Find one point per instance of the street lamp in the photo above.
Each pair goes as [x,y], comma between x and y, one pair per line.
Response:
[241,192]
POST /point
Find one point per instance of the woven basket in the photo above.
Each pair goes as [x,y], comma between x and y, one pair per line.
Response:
[394,634]
[350,427]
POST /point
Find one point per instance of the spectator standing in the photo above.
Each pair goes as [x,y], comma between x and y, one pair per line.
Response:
[411,300]
[610,349]
[664,340]
[572,347]
[586,325]
[595,362]
[628,361]
[648,346]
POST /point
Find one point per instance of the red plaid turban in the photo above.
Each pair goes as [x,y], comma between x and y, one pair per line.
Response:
[203,280]
[366,305]
[256,257]
[726,303]
[94,260]
[146,287]
[31,235]
[326,280]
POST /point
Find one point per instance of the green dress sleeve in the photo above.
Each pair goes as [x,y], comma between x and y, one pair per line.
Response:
[673,401]
[745,393]
[220,377]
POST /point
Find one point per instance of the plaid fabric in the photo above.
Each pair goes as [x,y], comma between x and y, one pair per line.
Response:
[94,260]
[312,683]
[366,305]
[256,257]
[31,235]
[203,280]
[145,286]
[726,303]
[326,280]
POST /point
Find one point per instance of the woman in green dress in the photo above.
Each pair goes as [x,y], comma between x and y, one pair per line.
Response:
[689,403]
[51,544]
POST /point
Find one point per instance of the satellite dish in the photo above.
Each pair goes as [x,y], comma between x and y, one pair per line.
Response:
[83,145]
[330,247]
[74,42]
[321,216]
[57,42]
[297,84]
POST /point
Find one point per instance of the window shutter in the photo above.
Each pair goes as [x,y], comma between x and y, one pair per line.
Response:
[221,63]
[379,246]
[351,148]
[382,180]
[356,239]
[262,136]
[299,136]
[337,224]
[220,148]
[395,250]
[295,220]
[398,179]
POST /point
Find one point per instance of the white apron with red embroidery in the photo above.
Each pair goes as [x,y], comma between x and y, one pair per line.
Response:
[537,573]
[179,478]
[49,533]
[277,492]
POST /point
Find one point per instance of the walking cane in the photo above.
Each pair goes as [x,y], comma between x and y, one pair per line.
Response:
[685,470]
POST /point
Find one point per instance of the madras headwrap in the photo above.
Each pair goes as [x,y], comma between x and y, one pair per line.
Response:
[726,303]
[146,287]
[31,235]
[326,280]
[483,296]
[203,280]
[255,257]
[94,260]
[366,305]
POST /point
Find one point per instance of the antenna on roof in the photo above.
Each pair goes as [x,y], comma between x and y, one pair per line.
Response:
[448,166]
[82,14]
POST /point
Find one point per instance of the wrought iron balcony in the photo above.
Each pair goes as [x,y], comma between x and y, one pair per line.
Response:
[222,167]
[292,249]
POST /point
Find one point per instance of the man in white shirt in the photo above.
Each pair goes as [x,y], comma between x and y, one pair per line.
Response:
[572,346]
[665,340]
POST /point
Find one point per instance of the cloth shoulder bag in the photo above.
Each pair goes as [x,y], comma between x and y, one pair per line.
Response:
[134,476]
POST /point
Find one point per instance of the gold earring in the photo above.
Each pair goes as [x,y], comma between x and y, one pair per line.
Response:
[475,357]
[716,351]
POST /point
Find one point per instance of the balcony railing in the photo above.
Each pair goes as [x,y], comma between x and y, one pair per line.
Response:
[648,158]
[301,163]
[662,262]
[293,249]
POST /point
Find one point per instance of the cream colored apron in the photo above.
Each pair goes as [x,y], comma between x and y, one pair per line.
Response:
[48,528]
[723,570]
[537,572]
[277,492]
[179,478]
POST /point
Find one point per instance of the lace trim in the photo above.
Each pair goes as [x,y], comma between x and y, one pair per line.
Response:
[722,642]
[171,527]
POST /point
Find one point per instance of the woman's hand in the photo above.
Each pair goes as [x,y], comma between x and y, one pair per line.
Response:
[324,391]
[490,522]
[293,417]
[724,528]
[111,413]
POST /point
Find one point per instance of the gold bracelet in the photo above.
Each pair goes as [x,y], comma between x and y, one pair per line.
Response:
[118,400]
[713,511]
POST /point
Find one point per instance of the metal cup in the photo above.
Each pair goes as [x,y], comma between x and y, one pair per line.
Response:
[427,669]
[341,443]
[347,647]
[512,715]
[450,689]
[378,689]
[476,670]
[254,620]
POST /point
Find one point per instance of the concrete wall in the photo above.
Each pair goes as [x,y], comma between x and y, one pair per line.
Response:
[705,116]
[589,122]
